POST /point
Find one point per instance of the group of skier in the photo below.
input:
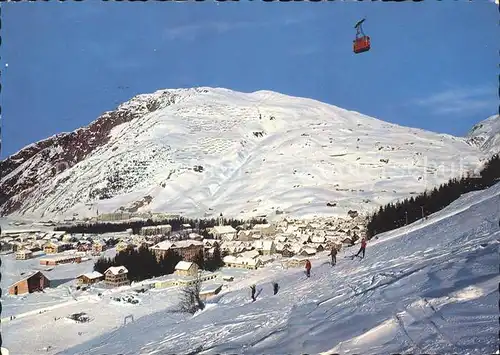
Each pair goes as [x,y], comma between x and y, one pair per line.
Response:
[333,254]
[275,290]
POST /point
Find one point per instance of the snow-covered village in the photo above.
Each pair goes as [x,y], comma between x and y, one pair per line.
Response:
[253,179]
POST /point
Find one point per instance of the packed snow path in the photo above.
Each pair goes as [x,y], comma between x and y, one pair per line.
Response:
[428,288]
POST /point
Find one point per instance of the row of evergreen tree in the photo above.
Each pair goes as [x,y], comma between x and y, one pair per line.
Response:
[396,215]
[176,223]
[142,263]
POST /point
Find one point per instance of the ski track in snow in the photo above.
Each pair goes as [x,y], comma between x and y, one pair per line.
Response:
[430,287]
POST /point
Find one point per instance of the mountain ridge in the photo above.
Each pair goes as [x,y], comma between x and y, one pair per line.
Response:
[167,135]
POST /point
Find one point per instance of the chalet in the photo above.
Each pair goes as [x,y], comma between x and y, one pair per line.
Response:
[61,259]
[195,236]
[90,278]
[24,254]
[318,240]
[307,251]
[123,246]
[284,249]
[98,247]
[224,232]
[116,276]
[83,246]
[265,229]
[186,268]
[281,238]
[242,262]
[294,262]
[317,247]
[305,239]
[234,247]
[187,249]
[53,248]
[32,283]
[210,291]
[164,229]
[268,247]
[244,236]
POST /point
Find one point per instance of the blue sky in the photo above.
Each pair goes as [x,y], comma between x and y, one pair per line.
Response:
[432,65]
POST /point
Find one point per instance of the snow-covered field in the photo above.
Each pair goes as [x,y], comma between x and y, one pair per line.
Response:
[61,276]
[260,152]
[431,287]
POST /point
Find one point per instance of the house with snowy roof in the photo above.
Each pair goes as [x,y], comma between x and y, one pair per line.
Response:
[265,229]
[187,249]
[89,278]
[242,262]
[224,232]
[116,276]
[186,268]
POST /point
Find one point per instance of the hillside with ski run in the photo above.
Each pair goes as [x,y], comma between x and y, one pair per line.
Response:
[430,287]
[205,151]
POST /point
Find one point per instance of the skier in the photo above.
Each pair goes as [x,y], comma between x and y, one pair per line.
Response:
[275,287]
[333,254]
[363,247]
[308,268]
[253,292]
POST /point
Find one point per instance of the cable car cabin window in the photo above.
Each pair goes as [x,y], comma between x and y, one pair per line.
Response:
[362,44]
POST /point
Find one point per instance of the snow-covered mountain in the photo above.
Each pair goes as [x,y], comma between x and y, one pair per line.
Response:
[486,135]
[430,287]
[206,151]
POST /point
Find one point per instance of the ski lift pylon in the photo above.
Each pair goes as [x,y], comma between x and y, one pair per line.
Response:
[362,42]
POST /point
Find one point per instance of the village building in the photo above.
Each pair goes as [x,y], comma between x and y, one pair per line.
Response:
[195,236]
[242,262]
[98,247]
[89,278]
[224,232]
[53,248]
[294,262]
[163,229]
[24,254]
[31,283]
[245,236]
[187,249]
[116,276]
[307,251]
[123,246]
[266,247]
[61,259]
[186,268]
[83,246]
[210,291]
[265,230]
[284,249]
[233,247]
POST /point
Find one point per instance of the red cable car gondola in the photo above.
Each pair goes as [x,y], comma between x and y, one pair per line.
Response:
[362,42]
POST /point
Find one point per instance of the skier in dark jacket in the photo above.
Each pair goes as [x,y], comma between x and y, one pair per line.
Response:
[275,287]
[333,254]
[253,292]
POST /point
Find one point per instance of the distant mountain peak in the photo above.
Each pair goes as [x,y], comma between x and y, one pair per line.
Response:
[259,152]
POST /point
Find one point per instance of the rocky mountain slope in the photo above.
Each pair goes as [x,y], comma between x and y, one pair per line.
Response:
[486,135]
[204,151]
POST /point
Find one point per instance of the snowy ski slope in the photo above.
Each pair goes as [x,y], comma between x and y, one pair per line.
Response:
[260,152]
[431,287]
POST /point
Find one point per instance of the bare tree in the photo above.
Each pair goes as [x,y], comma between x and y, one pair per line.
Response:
[190,301]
